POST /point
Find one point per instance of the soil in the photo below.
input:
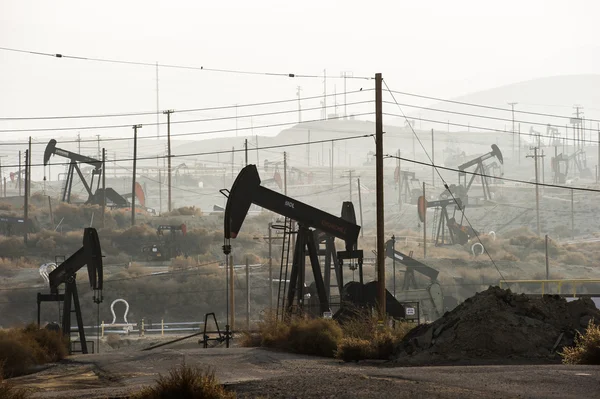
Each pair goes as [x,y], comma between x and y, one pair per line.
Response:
[497,325]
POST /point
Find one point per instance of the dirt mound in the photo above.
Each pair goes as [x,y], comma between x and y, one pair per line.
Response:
[496,325]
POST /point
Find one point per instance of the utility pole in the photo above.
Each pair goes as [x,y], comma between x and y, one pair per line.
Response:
[424,226]
[399,181]
[78,143]
[103,186]
[362,230]
[98,142]
[512,106]
[19,174]
[284,173]
[1,174]
[394,265]
[157,110]
[331,158]
[270,269]
[349,176]
[519,137]
[256,140]
[28,179]
[168,113]
[380,199]
[535,157]
[346,74]
[159,191]
[26,207]
[547,262]
[298,90]
[232,161]
[246,150]
[135,128]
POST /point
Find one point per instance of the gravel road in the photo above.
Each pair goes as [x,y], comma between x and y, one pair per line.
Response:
[253,372]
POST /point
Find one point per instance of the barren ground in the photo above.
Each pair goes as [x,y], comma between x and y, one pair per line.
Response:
[253,372]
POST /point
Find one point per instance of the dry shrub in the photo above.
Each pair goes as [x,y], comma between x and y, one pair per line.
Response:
[5,206]
[318,337]
[21,348]
[250,339]
[353,349]
[184,211]
[186,382]
[573,258]
[586,349]
[12,247]
[10,391]
[520,231]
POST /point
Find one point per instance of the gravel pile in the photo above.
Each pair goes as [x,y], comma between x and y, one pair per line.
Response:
[497,325]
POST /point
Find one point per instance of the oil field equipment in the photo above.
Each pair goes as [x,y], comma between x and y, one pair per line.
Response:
[169,248]
[479,171]
[561,164]
[457,233]
[409,185]
[10,225]
[430,298]
[94,196]
[246,190]
[89,254]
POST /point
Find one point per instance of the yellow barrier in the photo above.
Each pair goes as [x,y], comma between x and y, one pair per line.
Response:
[574,282]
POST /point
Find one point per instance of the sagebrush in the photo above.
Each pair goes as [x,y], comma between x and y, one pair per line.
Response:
[586,349]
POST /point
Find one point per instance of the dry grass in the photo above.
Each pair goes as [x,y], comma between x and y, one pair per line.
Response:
[184,211]
[21,348]
[303,335]
[10,391]
[586,349]
[186,382]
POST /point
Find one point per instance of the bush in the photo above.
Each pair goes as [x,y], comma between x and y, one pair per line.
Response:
[22,348]
[302,335]
[318,337]
[186,382]
[9,391]
[586,349]
[353,349]
[184,211]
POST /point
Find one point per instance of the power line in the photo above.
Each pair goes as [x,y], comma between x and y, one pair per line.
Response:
[488,117]
[174,66]
[486,106]
[489,129]
[492,176]
[201,132]
[223,151]
[222,118]
[446,185]
[153,113]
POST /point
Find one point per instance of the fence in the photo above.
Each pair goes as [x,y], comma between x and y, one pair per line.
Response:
[559,284]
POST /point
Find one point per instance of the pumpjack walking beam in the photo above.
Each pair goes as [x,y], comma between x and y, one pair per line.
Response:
[89,254]
[246,190]
[52,149]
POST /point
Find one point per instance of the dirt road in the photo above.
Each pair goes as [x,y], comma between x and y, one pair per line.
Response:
[253,372]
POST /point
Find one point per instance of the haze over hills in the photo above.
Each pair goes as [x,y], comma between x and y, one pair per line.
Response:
[555,95]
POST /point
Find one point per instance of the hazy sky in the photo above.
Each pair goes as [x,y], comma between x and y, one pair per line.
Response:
[440,48]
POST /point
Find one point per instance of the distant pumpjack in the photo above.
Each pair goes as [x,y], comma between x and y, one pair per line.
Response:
[89,254]
[458,234]
[479,171]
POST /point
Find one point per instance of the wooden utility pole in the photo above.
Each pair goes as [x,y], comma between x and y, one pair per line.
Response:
[547,262]
[50,209]
[28,166]
[1,175]
[535,157]
[380,199]
[246,151]
[270,269]
[19,174]
[362,230]
[424,225]
[135,128]
[26,208]
[103,185]
[398,164]
[169,112]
